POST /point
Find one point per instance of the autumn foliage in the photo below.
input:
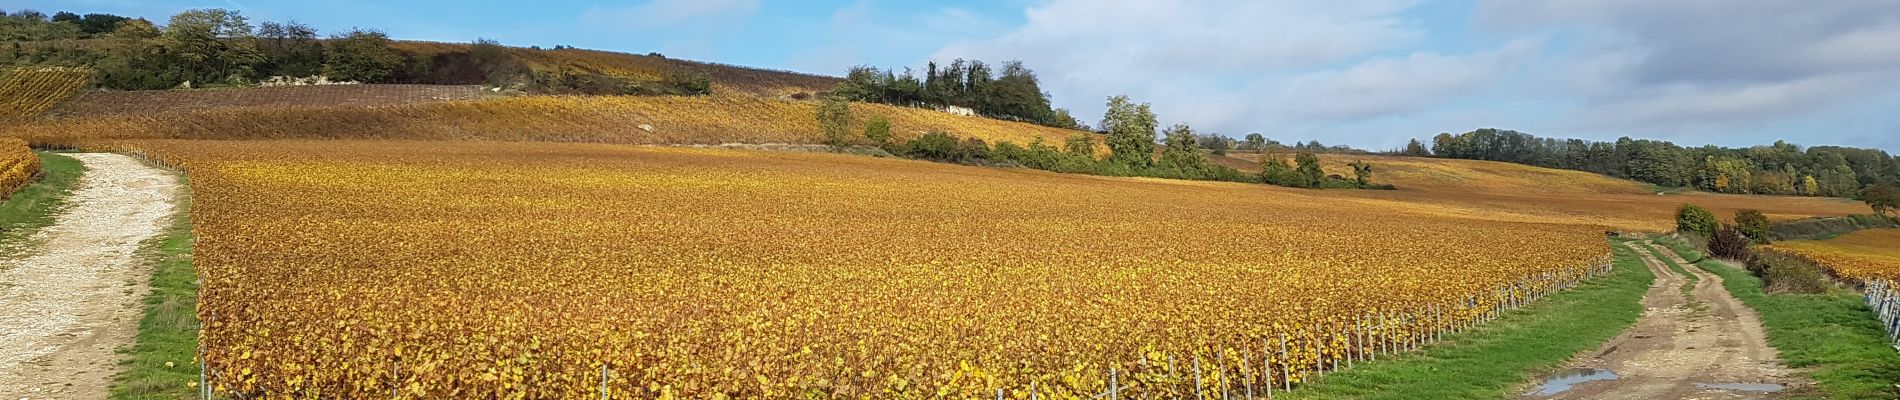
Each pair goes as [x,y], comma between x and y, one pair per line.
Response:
[18,165]
[27,92]
[525,270]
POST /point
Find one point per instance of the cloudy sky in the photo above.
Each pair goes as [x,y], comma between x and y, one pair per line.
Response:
[1370,73]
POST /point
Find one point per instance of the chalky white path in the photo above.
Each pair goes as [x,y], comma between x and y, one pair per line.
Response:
[71,298]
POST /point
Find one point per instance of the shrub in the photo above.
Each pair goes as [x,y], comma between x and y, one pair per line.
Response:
[1753,224]
[972,150]
[878,130]
[1695,219]
[1729,243]
[934,146]
[1788,273]
[834,119]
[362,56]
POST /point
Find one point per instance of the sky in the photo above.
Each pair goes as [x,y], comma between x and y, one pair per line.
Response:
[1366,73]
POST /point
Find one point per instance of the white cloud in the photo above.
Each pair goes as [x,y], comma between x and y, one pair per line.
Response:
[1238,66]
[1711,64]
[1402,84]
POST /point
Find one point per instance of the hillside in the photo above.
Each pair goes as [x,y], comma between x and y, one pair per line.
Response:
[726,79]
[97,103]
[610,119]
[27,92]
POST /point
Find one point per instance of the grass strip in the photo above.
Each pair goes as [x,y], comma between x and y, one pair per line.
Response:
[1494,360]
[34,206]
[1833,335]
[161,364]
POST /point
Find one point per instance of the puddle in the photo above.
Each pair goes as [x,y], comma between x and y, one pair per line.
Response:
[1744,387]
[1562,381]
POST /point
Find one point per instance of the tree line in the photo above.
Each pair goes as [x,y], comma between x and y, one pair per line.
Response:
[1014,94]
[1777,169]
[213,47]
[1129,129]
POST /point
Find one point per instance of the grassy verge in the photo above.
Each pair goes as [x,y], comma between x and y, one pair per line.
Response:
[1495,359]
[1688,280]
[169,331]
[33,206]
[1833,335]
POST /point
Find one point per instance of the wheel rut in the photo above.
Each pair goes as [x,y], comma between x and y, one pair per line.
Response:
[1694,341]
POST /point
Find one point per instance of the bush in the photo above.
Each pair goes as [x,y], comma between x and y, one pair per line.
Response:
[1729,243]
[972,150]
[1753,224]
[1787,273]
[834,118]
[878,130]
[362,56]
[934,146]
[1697,220]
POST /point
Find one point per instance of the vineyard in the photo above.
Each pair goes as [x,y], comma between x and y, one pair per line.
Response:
[26,92]
[696,273]
[18,165]
[1860,255]
[727,79]
[160,102]
[641,120]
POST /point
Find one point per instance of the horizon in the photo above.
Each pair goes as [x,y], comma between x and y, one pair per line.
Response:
[1369,74]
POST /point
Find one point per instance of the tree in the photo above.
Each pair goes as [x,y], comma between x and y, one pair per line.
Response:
[1307,170]
[1753,224]
[289,48]
[1361,172]
[98,24]
[1080,145]
[1728,242]
[1884,198]
[1182,151]
[1131,132]
[1274,170]
[1215,143]
[1416,149]
[205,43]
[135,29]
[878,130]
[362,56]
[1255,141]
[1697,220]
[834,119]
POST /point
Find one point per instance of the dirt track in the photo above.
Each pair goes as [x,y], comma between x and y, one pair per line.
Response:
[72,298]
[1705,336]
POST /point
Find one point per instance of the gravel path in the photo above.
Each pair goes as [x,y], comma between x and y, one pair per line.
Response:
[71,299]
[1701,343]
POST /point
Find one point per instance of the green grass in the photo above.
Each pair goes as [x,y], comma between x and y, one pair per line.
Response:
[1833,335]
[1495,359]
[33,206]
[169,330]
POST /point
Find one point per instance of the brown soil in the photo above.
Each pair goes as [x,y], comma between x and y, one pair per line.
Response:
[71,299]
[1704,336]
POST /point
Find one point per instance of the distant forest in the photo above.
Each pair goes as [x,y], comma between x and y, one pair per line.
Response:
[219,47]
[1777,169]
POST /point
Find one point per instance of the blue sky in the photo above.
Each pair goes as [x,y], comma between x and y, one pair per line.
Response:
[1370,73]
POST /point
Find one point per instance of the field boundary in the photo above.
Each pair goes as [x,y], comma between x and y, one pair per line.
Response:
[162,362]
[35,204]
[1496,359]
[1834,337]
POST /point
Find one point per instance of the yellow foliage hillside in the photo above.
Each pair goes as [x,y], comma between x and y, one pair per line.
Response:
[27,92]
[608,119]
[727,79]
[1866,254]
[18,165]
